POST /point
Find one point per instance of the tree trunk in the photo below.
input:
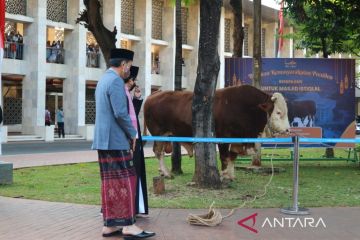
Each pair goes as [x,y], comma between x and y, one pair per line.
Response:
[257,44]
[324,48]
[176,159]
[256,159]
[92,20]
[238,35]
[206,170]
[176,154]
[329,152]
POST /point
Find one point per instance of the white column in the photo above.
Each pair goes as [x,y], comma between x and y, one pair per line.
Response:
[291,45]
[142,49]
[276,40]
[112,17]
[221,50]
[34,84]
[193,40]
[74,86]
[167,54]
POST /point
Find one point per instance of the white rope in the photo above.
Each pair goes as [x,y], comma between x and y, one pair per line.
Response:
[214,217]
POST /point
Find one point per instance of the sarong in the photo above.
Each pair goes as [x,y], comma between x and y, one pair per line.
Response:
[118,187]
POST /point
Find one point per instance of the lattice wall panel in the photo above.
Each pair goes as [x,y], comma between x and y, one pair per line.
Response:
[246,40]
[227,34]
[157,12]
[12,110]
[90,109]
[184,24]
[127,16]
[263,32]
[56,10]
[15,7]
[90,112]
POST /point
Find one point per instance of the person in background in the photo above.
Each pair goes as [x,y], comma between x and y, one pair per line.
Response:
[47,117]
[114,138]
[138,156]
[60,122]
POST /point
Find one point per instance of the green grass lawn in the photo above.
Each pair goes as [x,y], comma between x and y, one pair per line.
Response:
[322,183]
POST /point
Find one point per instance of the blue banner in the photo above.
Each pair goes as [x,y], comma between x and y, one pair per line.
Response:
[320,92]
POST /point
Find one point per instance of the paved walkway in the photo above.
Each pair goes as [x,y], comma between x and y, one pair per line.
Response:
[39,220]
[56,158]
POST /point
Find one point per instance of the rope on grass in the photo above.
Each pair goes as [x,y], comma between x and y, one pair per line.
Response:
[214,217]
[211,219]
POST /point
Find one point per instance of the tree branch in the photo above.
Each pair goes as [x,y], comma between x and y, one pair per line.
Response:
[92,20]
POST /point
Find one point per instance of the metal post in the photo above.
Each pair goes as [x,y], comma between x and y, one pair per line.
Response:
[295,210]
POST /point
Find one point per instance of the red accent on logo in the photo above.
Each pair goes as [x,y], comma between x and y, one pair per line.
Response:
[253,217]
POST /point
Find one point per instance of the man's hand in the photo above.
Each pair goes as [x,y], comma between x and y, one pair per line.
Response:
[133,144]
[137,92]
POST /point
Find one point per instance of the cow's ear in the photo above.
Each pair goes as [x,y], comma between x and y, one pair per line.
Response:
[266,107]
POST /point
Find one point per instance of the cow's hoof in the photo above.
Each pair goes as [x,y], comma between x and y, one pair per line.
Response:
[256,163]
[227,180]
[191,184]
[169,176]
[226,183]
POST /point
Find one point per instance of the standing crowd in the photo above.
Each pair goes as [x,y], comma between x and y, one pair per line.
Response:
[92,55]
[13,47]
[55,52]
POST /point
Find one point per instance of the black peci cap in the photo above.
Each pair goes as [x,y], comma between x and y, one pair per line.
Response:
[122,53]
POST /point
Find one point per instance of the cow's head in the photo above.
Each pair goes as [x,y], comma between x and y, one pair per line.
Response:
[278,122]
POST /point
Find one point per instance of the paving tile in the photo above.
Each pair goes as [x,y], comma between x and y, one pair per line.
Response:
[40,220]
[31,219]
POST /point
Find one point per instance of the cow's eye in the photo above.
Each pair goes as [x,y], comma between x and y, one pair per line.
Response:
[278,113]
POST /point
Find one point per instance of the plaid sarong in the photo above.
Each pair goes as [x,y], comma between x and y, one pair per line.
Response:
[118,187]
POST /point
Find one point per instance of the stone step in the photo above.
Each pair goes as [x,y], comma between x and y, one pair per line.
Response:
[20,138]
[68,137]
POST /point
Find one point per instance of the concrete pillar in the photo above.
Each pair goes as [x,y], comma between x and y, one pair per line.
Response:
[191,57]
[273,29]
[291,44]
[167,53]
[112,17]
[142,48]
[221,50]
[74,86]
[34,83]
[6,173]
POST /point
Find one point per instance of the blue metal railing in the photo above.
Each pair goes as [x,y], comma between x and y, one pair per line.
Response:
[296,141]
[250,140]
[217,140]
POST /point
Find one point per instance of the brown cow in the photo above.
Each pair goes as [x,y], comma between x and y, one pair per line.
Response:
[240,111]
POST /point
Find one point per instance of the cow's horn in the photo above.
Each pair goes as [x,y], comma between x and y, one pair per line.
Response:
[274,96]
